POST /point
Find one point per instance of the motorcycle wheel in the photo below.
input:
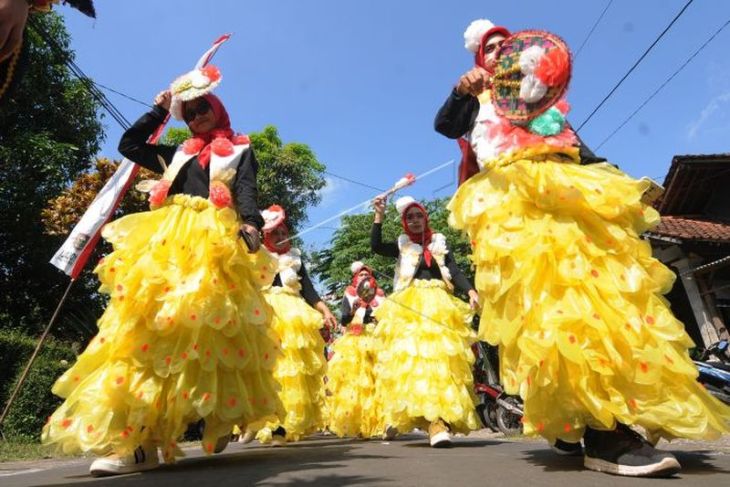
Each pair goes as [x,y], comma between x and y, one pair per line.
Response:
[487,413]
[508,422]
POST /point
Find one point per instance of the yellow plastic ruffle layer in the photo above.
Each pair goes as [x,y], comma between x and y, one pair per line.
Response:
[186,335]
[424,364]
[352,405]
[300,367]
[573,298]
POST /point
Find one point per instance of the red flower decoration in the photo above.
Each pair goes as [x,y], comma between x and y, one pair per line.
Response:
[563,106]
[355,329]
[241,139]
[553,68]
[222,147]
[211,72]
[219,194]
[193,145]
[159,191]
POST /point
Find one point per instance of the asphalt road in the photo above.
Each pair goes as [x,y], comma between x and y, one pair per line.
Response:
[482,459]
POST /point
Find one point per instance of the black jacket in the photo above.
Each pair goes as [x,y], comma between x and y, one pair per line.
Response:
[390,249]
[192,178]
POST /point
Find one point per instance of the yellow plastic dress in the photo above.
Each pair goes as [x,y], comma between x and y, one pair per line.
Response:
[424,362]
[300,367]
[572,295]
[352,405]
[186,335]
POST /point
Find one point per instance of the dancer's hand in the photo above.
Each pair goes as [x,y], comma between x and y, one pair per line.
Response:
[13,16]
[473,82]
[255,240]
[329,319]
[163,98]
[379,205]
[473,299]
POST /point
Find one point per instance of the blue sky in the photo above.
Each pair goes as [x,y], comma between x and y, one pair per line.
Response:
[360,82]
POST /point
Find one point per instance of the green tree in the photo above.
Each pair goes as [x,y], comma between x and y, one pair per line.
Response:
[351,242]
[49,132]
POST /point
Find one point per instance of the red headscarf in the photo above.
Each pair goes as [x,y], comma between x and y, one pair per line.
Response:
[423,238]
[469,166]
[222,128]
[479,56]
[270,244]
[356,278]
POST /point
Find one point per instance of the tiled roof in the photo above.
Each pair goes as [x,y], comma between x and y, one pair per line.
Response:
[684,228]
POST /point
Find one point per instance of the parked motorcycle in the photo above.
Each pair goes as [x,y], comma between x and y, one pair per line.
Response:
[497,410]
[714,367]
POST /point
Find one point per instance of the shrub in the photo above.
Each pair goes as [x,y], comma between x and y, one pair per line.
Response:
[36,401]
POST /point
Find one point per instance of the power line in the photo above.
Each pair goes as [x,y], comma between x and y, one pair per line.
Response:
[598,21]
[636,64]
[656,92]
[353,181]
[74,68]
[122,94]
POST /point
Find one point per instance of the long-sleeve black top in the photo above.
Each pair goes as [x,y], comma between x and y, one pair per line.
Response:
[192,178]
[457,115]
[348,313]
[424,271]
[307,292]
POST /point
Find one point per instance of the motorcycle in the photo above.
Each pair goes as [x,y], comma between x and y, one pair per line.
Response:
[497,410]
[715,374]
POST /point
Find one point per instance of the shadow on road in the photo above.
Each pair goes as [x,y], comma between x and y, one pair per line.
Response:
[252,466]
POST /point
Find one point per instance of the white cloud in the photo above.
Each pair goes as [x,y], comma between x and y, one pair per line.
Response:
[710,109]
[331,188]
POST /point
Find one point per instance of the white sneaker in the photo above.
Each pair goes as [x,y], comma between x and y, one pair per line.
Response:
[142,459]
[247,436]
[439,435]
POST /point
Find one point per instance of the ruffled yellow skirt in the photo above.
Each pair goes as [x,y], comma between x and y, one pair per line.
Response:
[573,298]
[300,367]
[424,363]
[186,335]
[352,406]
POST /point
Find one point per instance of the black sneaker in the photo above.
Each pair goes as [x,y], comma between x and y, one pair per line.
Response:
[625,452]
[567,449]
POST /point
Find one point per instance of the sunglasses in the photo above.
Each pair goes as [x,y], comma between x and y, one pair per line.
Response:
[490,48]
[200,109]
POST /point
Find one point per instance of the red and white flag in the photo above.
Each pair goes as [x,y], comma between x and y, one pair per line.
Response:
[73,254]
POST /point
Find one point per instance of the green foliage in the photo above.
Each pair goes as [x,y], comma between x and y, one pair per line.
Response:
[36,401]
[289,175]
[351,242]
[49,133]
[176,136]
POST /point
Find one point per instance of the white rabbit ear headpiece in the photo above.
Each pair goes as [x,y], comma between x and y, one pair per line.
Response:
[356,266]
[404,202]
[192,85]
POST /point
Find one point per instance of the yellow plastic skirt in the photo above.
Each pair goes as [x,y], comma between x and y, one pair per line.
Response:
[300,367]
[352,405]
[424,363]
[573,298]
[186,335]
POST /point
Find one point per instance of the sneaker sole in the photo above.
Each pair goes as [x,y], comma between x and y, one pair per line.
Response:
[278,442]
[665,468]
[441,440]
[110,470]
[567,453]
